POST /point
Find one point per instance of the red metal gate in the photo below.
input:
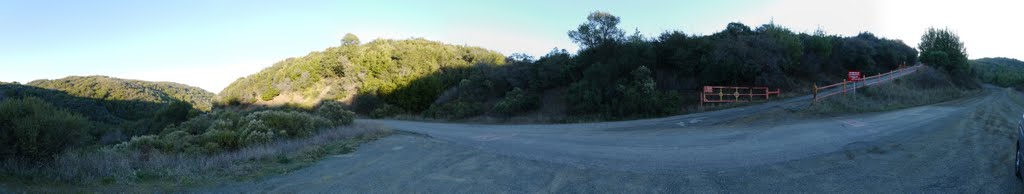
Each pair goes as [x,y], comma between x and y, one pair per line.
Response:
[729,94]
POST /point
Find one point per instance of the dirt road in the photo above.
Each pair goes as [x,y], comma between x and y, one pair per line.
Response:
[960,146]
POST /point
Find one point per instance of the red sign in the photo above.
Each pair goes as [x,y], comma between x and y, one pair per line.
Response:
[708,89]
[853,76]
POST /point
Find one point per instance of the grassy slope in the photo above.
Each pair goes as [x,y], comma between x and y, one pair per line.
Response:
[113,171]
[927,86]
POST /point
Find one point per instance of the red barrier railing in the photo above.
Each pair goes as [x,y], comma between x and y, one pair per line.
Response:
[846,85]
[727,94]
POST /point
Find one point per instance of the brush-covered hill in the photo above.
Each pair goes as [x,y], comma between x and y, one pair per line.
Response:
[378,68]
[1006,72]
[115,108]
[612,76]
[116,89]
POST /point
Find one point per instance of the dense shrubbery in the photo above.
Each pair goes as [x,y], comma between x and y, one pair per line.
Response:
[613,76]
[222,130]
[402,73]
[113,91]
[607,76]
[35,129]
[942,48]
[112,123]
[335,112]
[32,129]
[1005,72]
[517,101]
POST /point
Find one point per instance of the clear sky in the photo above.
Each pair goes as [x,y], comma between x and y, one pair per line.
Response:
[210,43]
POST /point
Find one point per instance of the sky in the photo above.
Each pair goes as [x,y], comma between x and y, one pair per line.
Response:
[211,43]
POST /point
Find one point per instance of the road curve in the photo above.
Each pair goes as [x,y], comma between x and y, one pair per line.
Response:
[960,146]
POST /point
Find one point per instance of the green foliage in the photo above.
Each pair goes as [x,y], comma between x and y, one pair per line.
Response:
[455,110]
[32,129]
[601,28]
[112,90]
[269,94]
[942,48]
[613,76]
[1005,72]
[175,112]
[366,103]
[350,40]
[404,73]
[114,117]
[516,101]
[224,130]
[385,110]
[335,112]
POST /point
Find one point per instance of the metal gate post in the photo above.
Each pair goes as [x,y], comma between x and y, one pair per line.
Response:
[815,98]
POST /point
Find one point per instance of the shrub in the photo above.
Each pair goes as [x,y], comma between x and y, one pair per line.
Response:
[269,94]
[33,129]
[145,143]
[255,132]
[385,110]
[335,112]
[223,138]
[455,110]
[294,124]
[516,101]
[366,103]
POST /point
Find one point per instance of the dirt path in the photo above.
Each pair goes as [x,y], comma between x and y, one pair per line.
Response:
[962,146]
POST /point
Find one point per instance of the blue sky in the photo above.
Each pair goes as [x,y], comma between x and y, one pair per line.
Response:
[210,43]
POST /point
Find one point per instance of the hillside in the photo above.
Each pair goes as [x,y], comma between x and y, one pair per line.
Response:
[1006,72]
[116,109]
[378,68]
[115,89]
[613,76]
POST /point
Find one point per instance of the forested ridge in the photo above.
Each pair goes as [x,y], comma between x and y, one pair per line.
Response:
[115,89]
[1005,72]
[378,68]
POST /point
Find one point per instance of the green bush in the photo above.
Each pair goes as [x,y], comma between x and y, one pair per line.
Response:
[33,129]
[224,130]
[294,124]
[145,143]
[226,139]
[269,94]
[516,101]
[335,112]
[385,110]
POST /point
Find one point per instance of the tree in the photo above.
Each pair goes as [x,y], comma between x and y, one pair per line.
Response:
[942,48]
[600,28]
[350,40]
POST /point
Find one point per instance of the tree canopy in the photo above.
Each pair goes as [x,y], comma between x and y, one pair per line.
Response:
[349,40]
[943,49]
[601,27]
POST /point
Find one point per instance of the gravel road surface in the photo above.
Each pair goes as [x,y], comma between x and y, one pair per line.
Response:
[959,146]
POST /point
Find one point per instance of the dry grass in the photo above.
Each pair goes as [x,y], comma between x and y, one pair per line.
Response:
[107,166]
[927,86]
